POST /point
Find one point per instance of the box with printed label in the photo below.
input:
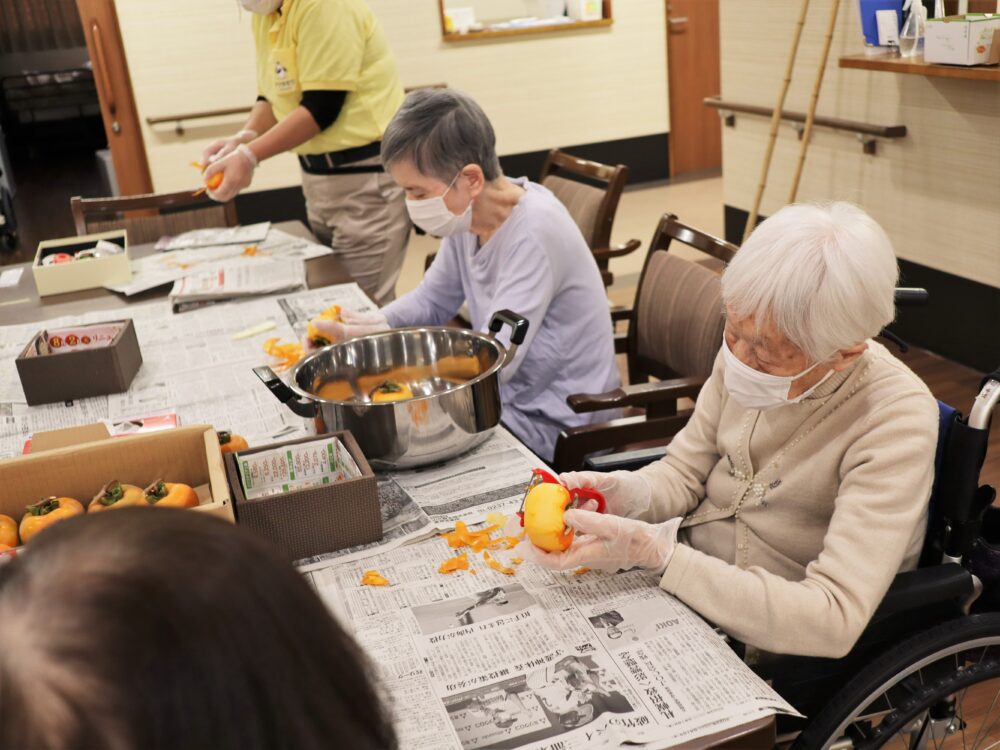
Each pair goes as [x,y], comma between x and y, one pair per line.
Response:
[86,262]
[309,496]
[75,362]
[962,40]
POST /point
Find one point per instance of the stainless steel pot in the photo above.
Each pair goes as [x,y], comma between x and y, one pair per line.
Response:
[453,374]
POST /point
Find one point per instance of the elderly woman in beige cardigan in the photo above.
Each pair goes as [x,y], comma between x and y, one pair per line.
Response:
[799,488]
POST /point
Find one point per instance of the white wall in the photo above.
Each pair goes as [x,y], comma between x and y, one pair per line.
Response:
[540,91]
[935,191]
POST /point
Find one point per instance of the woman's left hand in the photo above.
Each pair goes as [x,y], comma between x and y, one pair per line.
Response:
[237,172]
[610,543]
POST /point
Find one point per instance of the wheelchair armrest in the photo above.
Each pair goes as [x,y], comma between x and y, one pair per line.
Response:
[643,394]
[625,461]
[925,586]
[606,253]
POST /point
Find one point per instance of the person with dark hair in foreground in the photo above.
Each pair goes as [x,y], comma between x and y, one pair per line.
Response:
[121,630]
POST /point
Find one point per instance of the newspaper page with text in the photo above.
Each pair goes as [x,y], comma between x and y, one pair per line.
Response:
[481,659]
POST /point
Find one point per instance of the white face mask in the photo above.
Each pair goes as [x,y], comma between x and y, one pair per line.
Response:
[434,217]
[753,389]
[264,7]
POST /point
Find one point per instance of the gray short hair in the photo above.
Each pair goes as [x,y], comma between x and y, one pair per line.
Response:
[441,131]
[825,275]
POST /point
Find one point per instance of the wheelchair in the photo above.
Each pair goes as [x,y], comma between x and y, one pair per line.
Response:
[936,634]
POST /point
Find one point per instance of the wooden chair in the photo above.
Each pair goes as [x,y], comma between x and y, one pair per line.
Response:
[590,191]
[149,217]
[674,333]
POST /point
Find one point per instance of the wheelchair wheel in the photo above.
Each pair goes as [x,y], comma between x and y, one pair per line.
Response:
[939,689]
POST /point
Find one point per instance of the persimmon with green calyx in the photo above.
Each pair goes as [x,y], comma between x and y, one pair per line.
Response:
[230,442]
[46,512]
[117,495]
[162,494]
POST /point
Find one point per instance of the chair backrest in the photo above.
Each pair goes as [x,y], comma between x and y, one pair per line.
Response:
[677,321]
[149,217]
[589,190]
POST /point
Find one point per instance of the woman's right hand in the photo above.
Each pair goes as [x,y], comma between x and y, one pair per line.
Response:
[350,325]
[626,493]
[224,146]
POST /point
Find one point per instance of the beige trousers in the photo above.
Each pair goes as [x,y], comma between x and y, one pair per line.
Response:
[363,218]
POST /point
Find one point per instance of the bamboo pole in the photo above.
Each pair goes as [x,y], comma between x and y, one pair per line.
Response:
[811,116]
[776,120]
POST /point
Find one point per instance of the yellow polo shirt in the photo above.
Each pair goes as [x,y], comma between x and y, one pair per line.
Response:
[328,45]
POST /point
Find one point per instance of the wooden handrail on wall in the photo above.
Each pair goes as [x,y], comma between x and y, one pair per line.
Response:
[179,119]
[866,132]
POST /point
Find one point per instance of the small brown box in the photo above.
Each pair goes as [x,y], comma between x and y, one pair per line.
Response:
[48,378]
[304,523]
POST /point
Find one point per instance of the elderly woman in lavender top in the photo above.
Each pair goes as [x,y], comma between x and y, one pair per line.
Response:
[507,244]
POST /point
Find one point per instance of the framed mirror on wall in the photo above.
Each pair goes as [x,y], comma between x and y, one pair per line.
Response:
[468,20]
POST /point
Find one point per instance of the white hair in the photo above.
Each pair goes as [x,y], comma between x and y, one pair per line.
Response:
[824,275]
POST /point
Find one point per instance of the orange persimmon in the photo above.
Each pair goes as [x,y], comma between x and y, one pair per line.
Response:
[47,512]
[316,338]
[162,494]
[8,531]
[211,183]
[117,495]
[230,442]
[544,506]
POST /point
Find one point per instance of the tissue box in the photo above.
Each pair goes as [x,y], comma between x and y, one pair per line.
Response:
[75,275]
[962,40]
[77,368]
[307,522]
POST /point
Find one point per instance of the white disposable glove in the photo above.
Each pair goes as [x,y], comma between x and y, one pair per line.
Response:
[626,493]
[237,169]
[609,543]
[351,324]
[225,146]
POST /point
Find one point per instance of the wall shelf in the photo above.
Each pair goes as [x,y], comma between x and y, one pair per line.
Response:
[502,30]
[893,63]
[542,28]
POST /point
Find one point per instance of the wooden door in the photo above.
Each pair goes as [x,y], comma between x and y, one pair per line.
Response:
[693,73]
[114,89]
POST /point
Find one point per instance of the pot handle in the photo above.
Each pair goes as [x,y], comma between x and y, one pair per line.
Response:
[519,330]
[284,394]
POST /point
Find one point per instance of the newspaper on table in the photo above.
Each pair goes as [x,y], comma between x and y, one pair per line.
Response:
[538,659]
[243,234]
[192,366]
[166,267]
[231,280]
[422,502]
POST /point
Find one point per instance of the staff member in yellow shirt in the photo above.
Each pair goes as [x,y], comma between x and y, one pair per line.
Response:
[328,86]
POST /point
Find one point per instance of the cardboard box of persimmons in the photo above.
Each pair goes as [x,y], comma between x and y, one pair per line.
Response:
[83,470]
